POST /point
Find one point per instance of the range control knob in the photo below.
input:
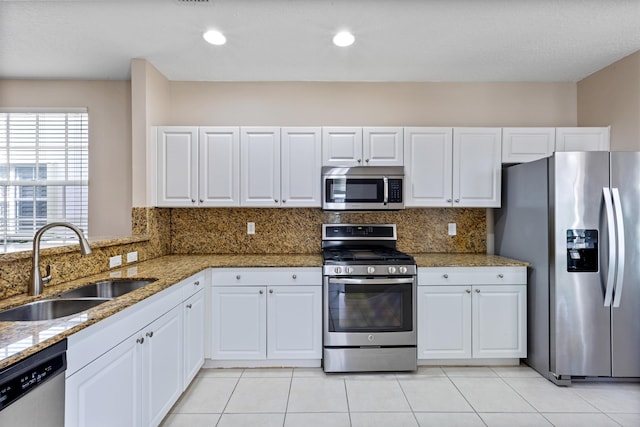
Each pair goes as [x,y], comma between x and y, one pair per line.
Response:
[371,270]
[338,270]
[392,270]
[403,270]
[348,270]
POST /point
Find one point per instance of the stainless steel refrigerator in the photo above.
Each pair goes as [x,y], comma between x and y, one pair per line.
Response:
[576,218]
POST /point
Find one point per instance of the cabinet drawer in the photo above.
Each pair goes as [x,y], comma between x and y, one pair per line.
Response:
[306,276]
[431,276]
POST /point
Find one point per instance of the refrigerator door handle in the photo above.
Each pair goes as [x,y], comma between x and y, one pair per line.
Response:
[621,255]
[611,230]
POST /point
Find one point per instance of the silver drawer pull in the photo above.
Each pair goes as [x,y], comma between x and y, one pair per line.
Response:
[478,291]
[501,275]
[197,283]
[238,277]
[468,291]
[446,276]
[294,276]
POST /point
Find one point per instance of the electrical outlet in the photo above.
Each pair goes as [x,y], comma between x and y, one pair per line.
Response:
[452,229]
[251,228]
[132,256]
[115,261]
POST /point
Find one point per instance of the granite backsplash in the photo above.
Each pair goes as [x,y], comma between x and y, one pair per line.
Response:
[162,231]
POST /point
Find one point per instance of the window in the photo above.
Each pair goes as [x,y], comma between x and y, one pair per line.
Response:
[44,176]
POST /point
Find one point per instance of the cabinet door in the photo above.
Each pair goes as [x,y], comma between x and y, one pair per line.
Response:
[238,322]
[163,365]
[107,392]
[294,322]
[301,150]
[428,166]
[477,167]
[176,166]
[341,146]
[219,165]
[260,166]
[444,322]
[521,145]
[193,336]
[582,139]
[383,146]
[499,321]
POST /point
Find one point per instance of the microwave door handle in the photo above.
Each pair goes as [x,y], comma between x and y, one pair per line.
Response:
[615,193]
[386,190]
[611,230]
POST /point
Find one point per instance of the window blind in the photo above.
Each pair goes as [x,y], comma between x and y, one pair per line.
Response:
[44,176]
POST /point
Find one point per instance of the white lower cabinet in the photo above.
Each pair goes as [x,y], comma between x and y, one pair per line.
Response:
[472,313]
[129,369]
[266,314]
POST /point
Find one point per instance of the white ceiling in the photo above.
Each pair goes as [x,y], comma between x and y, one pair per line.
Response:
[290,40]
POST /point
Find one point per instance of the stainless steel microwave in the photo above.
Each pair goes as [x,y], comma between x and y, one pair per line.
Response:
[362,188]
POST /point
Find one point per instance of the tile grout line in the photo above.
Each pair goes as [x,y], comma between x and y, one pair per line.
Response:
[230,396]
[408,402]
[286,408]
[464,397]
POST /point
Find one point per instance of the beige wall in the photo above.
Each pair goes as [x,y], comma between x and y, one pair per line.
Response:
[109,106]
[371,104]
[611,96]
[149,107]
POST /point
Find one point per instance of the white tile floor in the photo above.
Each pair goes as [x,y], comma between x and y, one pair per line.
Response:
[432,396]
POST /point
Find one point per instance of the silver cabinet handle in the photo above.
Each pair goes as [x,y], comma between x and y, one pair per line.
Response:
[501,275]
[477,291]
[468,291]
[270,291]
[189,305]
[193,200]
[448,200]
[457,200]
[359,160]
[201,201]
[367,160]
[238,277]
[446,276]
[261,292]
[149,334]
[294,276]
[197,283]
[140,340]
[275,200]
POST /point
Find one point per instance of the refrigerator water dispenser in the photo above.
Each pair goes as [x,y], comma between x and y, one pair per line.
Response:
[582,250]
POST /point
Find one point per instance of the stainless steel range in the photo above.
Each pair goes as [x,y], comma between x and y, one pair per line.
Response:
[369,300]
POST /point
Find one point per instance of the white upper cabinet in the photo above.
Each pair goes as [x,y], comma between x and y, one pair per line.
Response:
[383,146]
[280,167]
[260,166]
[521,145]
[176,166]
[301,151]
[459,167]
[219,166]
[355,146]
[197,166]
[428,166]
[477,167]
[582,139]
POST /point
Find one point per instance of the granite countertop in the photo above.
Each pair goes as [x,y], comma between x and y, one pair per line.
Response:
[19,340]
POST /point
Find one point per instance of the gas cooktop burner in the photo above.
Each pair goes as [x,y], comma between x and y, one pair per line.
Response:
[380,255]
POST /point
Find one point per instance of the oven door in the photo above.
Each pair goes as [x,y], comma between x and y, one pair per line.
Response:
[365,311]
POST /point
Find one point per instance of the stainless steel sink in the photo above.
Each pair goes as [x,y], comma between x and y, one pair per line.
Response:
[106,289]
[48,309]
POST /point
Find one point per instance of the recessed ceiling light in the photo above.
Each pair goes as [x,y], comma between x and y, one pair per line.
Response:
[343,39]
[215,37]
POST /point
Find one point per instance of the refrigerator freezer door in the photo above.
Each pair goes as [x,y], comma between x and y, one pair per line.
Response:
[625,320]
[579,321]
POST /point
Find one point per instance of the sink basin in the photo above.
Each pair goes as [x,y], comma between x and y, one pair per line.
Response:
[48,309]
[106,289]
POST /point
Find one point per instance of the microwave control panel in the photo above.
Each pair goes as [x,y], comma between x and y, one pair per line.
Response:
[395,191]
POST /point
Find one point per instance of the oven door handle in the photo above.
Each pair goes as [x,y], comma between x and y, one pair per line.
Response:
[349,281]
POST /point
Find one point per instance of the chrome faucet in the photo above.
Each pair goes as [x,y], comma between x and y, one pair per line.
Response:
[36,281]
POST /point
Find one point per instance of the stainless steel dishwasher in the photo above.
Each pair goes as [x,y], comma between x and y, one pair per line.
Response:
[32,390]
